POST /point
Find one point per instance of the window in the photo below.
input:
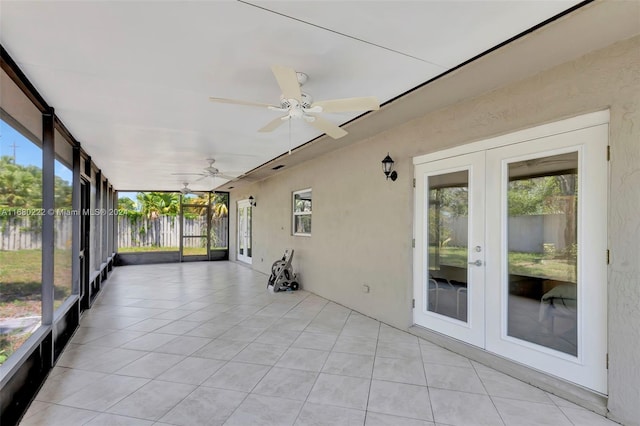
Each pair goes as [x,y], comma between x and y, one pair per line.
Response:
[147,221]
[219,233]
[302,212]
[63,233]
[20,235]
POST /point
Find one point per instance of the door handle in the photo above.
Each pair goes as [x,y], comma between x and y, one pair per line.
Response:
[477,263]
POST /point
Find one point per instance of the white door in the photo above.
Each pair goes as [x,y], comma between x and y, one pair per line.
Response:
[546,228]
[529,282]
[244,231]
[449,297]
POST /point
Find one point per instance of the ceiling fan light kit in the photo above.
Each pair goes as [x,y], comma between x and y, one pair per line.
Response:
[298,104]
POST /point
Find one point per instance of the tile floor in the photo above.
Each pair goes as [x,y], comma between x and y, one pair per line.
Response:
[206,344]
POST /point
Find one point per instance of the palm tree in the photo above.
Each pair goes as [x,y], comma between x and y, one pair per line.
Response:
[220,205]
[220,211]
[157,204]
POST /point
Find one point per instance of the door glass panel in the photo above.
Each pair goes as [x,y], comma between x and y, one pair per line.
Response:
[448,206]
[194,232]
[242,227]
[542,251]
[248,231]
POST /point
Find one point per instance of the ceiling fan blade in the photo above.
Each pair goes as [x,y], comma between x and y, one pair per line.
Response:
[288,81]
[328,127]
[188,174]
[223,176]
[272,125]
[348,104]
[239,102]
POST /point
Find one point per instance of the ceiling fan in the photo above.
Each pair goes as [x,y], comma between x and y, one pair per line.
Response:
[298,104]
[209,171]
[185,189]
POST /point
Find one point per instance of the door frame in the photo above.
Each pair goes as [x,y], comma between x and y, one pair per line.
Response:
[496,340]
[471,331]
[195,257]
[247,256]
[84,253]
[590,144]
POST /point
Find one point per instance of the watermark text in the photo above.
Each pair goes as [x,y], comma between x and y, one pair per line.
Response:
[29,212]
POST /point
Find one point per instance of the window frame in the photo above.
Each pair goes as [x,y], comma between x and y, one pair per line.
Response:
[295,213]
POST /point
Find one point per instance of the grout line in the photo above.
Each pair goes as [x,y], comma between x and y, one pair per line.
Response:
[254,295]
[373,366]
[325,361]
[424,370]
[270,366]
[488,394]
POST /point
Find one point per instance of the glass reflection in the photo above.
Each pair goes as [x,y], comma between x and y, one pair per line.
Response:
[448,206]
[542,248]
[20,239]
[63,233]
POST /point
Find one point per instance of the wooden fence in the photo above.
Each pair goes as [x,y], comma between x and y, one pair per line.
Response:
[165,232]
[24,233]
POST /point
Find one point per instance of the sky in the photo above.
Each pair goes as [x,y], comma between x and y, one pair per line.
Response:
[26,152]
[29,154]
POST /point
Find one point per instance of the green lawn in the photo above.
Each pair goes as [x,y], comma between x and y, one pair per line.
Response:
[146,249]
[537,265]
[21,274]
[21,289]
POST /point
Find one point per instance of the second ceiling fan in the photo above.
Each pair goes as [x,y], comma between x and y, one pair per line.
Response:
[210,171]
[298,104]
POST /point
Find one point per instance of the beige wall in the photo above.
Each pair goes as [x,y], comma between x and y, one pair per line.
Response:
[362,224]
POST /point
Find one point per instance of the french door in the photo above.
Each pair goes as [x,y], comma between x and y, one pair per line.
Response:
[244,222]
[511,249]
[450,296]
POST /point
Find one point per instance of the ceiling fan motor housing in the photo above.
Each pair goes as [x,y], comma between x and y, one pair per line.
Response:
[305,101]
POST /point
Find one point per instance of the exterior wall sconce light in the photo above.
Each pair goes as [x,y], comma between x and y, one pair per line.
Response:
[252,201]
[387,168]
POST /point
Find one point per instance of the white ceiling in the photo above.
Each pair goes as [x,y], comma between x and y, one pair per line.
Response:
[131,80]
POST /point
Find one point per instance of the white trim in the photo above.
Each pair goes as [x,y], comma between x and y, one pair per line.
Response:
[588,367]
[471,331]
[243,204]
[294,213]
[532,133]
[588,135]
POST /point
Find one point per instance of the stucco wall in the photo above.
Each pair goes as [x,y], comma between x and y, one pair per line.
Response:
[362,224]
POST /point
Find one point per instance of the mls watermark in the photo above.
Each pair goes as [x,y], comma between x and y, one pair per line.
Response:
[25,212]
